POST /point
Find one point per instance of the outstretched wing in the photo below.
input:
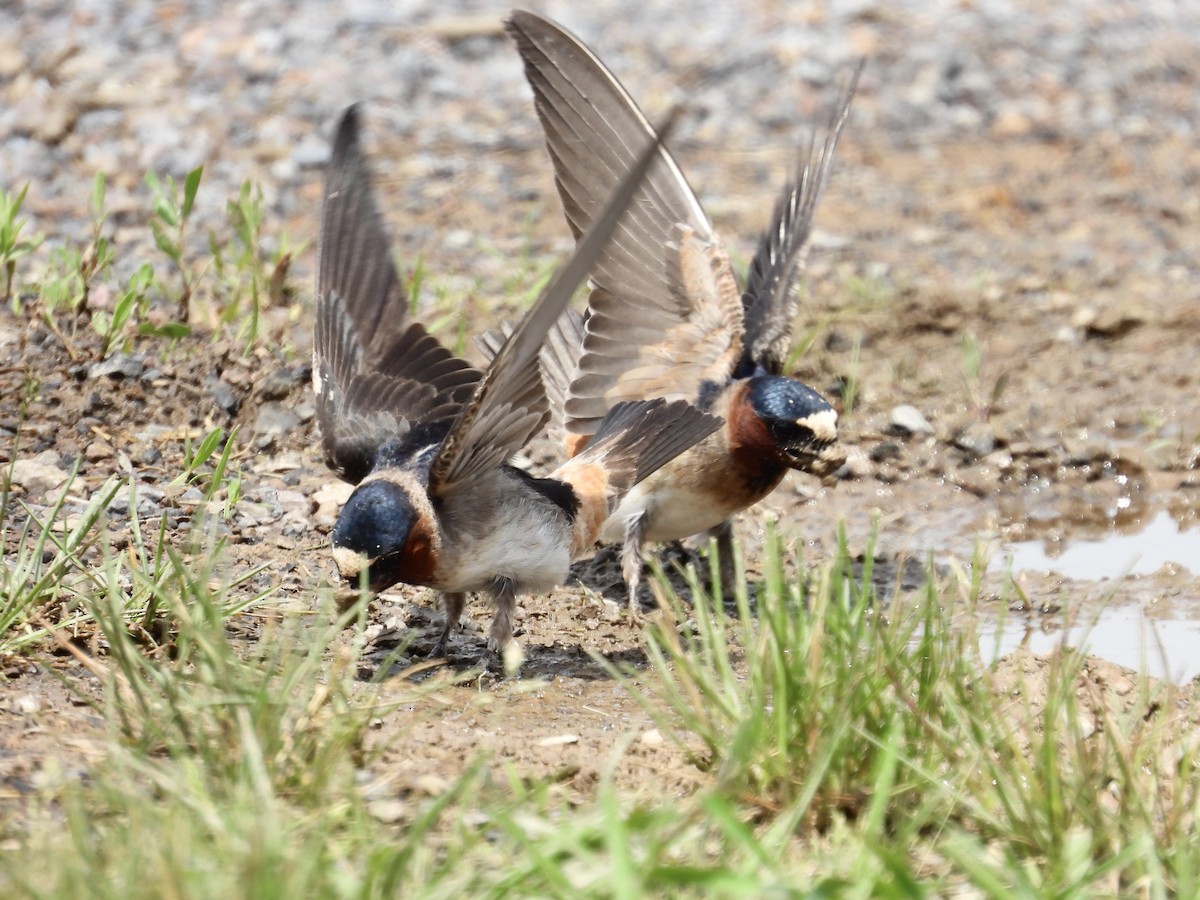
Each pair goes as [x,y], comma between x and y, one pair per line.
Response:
[498,420]
[374,372]
[665,311]
[558,359]
[770,301]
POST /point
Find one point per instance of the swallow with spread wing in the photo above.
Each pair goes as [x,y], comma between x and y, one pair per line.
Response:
[665,316]
[426,437]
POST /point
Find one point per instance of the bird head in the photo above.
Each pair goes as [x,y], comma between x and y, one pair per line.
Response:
[800,421]
[382,529]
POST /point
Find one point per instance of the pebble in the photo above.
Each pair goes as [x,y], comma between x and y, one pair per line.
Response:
[909,420]
[389,812]
[330,498]
[223,395]
[191,497]
[293,503]
[39,474]
[885,451]
[1085,723]
[1116,322]
[12,60]
[97,450]
[147,508]
[431,784]
[857,465]
[272,421]
[278,383]
[116,366]
[249,515]
[1065,334]
[305,410]
[557,740]
[652,738]
[312,152]
[977,439]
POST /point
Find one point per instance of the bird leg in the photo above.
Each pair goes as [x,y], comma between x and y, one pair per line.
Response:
[631,562]
[504,599]
[454,607]
[726,569]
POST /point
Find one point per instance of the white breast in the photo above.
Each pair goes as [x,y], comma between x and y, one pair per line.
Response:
[522,540]
[672,514]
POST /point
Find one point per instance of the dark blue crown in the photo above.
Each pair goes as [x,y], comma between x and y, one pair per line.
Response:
[785,406]
[375,521]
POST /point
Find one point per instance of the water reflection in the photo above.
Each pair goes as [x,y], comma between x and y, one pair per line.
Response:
[1161,542]
[1126,635]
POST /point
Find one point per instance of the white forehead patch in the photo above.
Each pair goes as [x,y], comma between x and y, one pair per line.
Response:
[822,424]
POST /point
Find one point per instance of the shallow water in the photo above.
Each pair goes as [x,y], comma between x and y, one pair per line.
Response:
[1144,609]
[1128,635]
[1160,542]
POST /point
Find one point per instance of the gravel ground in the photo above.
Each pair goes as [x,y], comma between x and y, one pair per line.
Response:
[251,89]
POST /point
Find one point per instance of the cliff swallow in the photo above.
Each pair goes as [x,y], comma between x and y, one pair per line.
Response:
[426,437]
[665,316]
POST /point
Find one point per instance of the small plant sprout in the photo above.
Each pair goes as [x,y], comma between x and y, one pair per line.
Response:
[851,385]
[49,563]
[72,273]
[79,269]
[984,403]
[211,480]
[416,280]
[12,245]
[804,341]
[169,225]
[130,305]
[98,255]
[63,288]
[450,312]
[243,271]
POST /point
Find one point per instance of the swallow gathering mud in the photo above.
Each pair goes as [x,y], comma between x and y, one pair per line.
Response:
[426,438]
[669,390]
[665,317]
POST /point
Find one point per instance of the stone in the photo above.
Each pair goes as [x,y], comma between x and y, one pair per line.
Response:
[886,450]
[389,812]
[116,366]
[274,420]
[907,420]
[978,439]
[223,395]
[97,450]
[279,383]
[38,475]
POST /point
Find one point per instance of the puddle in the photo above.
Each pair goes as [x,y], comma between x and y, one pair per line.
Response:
[1135,595]
[1161,542]
[1126,635]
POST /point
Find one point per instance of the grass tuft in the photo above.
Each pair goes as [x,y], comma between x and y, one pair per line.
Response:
[825,711]
[848,744]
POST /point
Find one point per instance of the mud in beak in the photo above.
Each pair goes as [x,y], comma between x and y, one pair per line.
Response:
[820,458]
[351,565]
